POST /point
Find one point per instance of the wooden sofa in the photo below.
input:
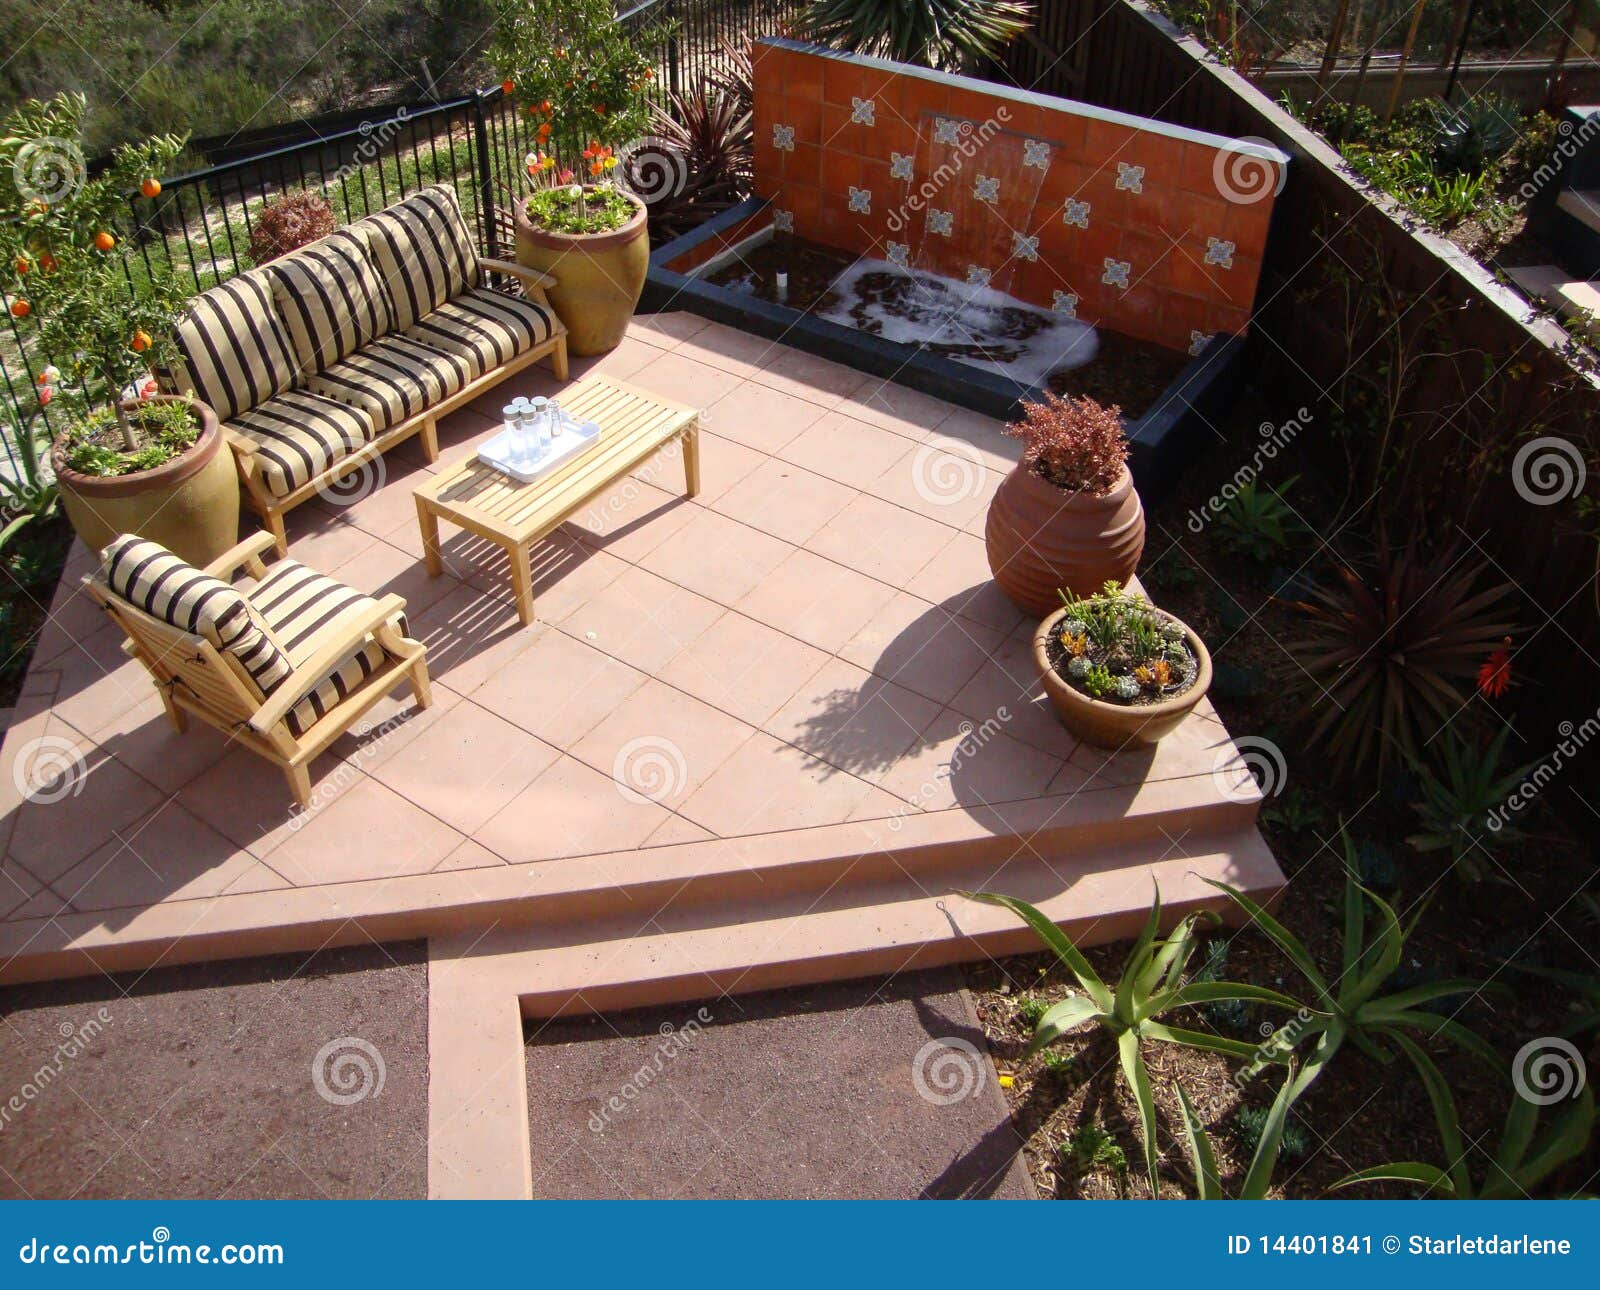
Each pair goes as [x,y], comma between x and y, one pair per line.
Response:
[322,360]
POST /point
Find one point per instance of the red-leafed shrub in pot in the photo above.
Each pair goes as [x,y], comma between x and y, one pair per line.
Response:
[1067,517]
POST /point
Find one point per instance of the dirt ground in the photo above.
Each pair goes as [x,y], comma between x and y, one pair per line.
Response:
[300,1076]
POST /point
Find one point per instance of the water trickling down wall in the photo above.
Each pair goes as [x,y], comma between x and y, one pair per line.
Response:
[1149,229]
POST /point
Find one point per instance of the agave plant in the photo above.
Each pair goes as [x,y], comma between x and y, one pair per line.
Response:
[1472,136]
[1382,661]
[1258,1177]
[1151,986]
[28,489]
[1259,522]
[1353,1007]
[1524,1161]
[948,34]
[701,163]
[1458,804]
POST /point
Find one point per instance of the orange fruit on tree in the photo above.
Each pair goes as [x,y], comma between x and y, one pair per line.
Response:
[20,309]
[103,241]
[48,262]
[141,341]
[22,264]
[151,187]
[507,86]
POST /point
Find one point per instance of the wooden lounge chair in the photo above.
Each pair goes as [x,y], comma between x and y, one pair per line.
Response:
[285,666]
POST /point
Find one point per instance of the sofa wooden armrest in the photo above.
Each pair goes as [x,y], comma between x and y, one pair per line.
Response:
[533,277]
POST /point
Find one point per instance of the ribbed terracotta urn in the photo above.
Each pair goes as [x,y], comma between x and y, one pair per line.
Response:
[1043,539]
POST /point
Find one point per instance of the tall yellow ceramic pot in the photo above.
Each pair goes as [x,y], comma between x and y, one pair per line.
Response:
[599,276]
[190,505]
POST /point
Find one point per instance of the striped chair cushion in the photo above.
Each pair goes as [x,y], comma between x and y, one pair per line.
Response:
[300,434]
[393,379]
[488,328]
[232,350]
[304,608]
[330,299]
[424,252]
[151,578]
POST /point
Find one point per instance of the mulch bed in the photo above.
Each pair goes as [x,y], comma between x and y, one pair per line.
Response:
[1361,1112]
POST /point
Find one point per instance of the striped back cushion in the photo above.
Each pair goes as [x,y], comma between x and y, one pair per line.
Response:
[232,351]
[151,578]
[330,299]
[424,252]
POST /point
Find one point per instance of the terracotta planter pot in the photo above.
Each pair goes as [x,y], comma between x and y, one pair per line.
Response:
[1042,538]
[190,504]
[599,276]
[1118,725]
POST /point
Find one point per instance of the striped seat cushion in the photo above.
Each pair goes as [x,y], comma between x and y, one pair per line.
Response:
[232,350]
[151,578]
[330,299]
[300,434]
[304,609]
[393,379]
[488,328]
[424,252]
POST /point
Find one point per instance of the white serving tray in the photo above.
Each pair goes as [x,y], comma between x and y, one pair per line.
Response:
[572,440]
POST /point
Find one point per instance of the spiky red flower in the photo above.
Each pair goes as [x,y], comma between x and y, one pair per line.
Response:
[1494,676]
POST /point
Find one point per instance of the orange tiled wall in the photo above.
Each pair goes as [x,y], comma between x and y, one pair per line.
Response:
[1145,228]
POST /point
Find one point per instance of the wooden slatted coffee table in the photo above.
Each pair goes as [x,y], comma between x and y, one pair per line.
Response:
[513,515]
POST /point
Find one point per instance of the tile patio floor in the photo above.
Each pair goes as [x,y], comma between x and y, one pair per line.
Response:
[801,648]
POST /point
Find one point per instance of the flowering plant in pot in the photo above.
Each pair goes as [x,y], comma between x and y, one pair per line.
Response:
[1067,516]
[570,67]
[128,460]
[1120,673]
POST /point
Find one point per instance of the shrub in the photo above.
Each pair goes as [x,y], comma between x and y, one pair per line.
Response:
[1076,444]
[950,34]
[1382,659]
[701,161]
[287,222]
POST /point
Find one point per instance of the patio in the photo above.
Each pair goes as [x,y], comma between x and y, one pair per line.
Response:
[754,738]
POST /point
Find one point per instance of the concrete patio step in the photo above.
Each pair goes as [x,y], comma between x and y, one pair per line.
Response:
[886,926]
[1582,206]
[1576,301]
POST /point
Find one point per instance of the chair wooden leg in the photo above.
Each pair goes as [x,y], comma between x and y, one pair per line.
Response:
[558,359]
[421,687]
[175,714]
[299,782]
[273,518]
[430,439]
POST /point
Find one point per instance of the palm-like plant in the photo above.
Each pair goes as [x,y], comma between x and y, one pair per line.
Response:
[1457,804]
[1524,1160]
[1151,986]
[1353,1007]
[948,34]
[28,490]
[1381,661]
[711,136]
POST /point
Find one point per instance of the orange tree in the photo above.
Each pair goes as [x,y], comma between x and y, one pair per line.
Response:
[569,65]
[99,316]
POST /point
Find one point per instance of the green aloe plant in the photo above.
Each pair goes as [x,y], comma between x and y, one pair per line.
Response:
[1259,522]
[1131,1011]
[1353,1007]
[1258,1177]
[1524,1160]
[1458,801]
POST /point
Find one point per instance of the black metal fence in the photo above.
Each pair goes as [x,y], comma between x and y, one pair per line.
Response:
[200,225]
